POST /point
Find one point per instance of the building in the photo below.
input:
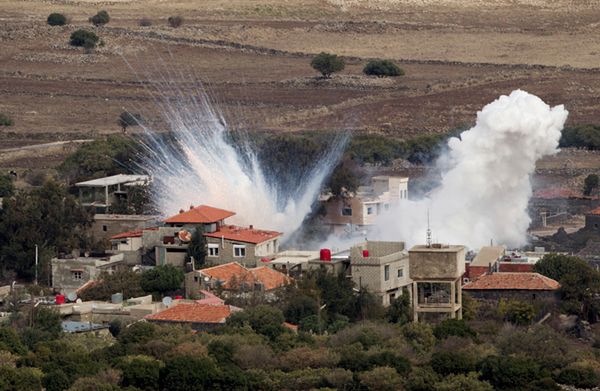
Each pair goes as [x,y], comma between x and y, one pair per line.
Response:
[70,272]
[522,286]
[382,268]
[592,220]
[436,271]
[295,263]
[198,316]
[102,193]
[355,212]
[553,206]
[130,245]
[236,278]
[486,259]
[225,243]
[105,226]
[73,327]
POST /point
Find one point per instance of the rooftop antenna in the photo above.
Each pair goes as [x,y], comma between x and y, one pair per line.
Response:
[428,237]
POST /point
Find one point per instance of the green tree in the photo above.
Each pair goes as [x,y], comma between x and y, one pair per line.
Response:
[590,184]
[455,327]
[579,376]
[382,68]
[100,19]
[188,374]
[300,307]
[585,136]
[345,177]
[381,379]
[56,380]
[519,312]
[400,310]
[7,187]
[10,341]
[448,362]
[56,19]
[327,64]
[419,335]
[162,279]
[123,281]
[463,382]
[197,247]
[127,119]
[263,319]
[137,333]
[84,38]
[141,372]
[5,120]
[509,373]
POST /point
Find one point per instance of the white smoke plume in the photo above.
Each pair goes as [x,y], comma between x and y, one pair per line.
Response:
[485,186]
[209,163]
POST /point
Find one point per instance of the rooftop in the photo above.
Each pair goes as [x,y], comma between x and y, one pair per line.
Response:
[128,234]
[269,278]
[80,327]
[513,281]
[594,211]
[193,313]
[440,248]
[119,179]
[202,214]
[102,216]
[487,255]
[241,234]
[233,273]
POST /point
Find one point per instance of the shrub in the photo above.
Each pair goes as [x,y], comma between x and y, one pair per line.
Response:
[127,119]
[162,279]
[7,187]
[100,19]
[142,373]
[509,373]
[56,380]
[400,310]
[448,362]
[455,327]
[468,382]
[519,312]
[579,376]
[5,120]
[381,379]
[382,68]
[327,64]
[145,22]
[300,307]
[56,19]
[84,38]
[419,335]
[175,21]
[590,183]
[188,373]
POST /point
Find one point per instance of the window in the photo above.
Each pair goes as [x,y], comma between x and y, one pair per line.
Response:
[346,211]
[369,210]
[400,273]
[104,228]
[239,251]
[77,275]
[213,250]
[386,272]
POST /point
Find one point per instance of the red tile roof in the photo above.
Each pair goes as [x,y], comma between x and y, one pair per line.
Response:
[202,214]
[269,278]
[128,234]
[241,234]
[233,274]
[595,211]
[193,313]
[552,193]
[514,281]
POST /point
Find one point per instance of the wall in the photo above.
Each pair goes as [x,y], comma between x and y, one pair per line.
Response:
[62,277]
[432,263]
[226,253]
[507,294]
[116,224]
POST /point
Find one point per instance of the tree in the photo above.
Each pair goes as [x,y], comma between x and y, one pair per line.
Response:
[263,319]
[300,307]
[141,372]
[449,362]
[456,327]
[56,380]
[100,19]
[188,374]
[197,247]
[84,38]
[463,382]
[381,379]
[56,19]
[345,177]
[400,310]
[175,21]
[590,184]
[382,68]
[327,64]
[123,281]
[162,279]
[5,120]
[519,312]
[579,376]
[509,373]
[127,119]
[7,187]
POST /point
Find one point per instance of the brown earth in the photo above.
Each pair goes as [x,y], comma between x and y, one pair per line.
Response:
[254,56]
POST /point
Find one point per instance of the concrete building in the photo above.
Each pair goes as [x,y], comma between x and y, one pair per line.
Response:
[106,226]
[356,211]
[130,245]
[487,259]
[72,272]
[436,271]
[295,263]
[101,193]
[382,268]
[522,286]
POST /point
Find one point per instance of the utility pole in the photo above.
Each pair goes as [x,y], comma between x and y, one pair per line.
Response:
[36,264]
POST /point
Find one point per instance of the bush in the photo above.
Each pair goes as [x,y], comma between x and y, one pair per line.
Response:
[519,313]
[400,310]
[56,19]
[381,379]
[188,373]
[145,22]
[419,335]
[455,327]
[175,21]
[127,119]
[162,279]
[100,19]
[300,307]
[586,136]
[382,68]
[448,362]
[84,38]
[590,183]
[142,373]
[327,64]
[461,382]
[7,187]
[5,120]
[509,373]
[579,376]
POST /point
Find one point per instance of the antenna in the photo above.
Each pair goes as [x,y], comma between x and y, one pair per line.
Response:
[428,236]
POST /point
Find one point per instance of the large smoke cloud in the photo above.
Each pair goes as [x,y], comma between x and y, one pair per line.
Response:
[485,185]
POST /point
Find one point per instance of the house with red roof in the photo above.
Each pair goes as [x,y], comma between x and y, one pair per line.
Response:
[197,316]
[522,286]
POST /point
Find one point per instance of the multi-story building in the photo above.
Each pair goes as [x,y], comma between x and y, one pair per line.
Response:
[358,210]
[70,272]
[382,268]
[102,193]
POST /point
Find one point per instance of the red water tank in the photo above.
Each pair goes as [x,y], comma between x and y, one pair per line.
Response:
[60,299]
[365,253]
[325,254]
[178,297]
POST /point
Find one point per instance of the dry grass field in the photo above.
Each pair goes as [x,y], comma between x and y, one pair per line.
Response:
[254,56]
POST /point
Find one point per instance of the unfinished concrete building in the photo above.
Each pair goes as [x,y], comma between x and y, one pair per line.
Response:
[382,268]
[436,271]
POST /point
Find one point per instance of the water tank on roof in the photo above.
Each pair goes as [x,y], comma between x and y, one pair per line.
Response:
[365,253]
[325,255]
[117,298]
[60,299]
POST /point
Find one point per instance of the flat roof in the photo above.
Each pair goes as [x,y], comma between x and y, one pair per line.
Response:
[114,180]
[78,327]
[446,248]
[487,255]
[102,216]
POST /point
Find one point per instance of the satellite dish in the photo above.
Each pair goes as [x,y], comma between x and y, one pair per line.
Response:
[206,279]
[167,301]
[78,301]
[72,296]
[184,236]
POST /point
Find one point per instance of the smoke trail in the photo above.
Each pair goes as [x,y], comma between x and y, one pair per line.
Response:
[485,186]
[206,162]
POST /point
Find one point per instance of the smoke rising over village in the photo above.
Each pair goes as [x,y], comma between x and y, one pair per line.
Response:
[486,184]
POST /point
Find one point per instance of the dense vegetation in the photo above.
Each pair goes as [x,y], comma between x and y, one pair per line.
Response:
[56,19]
[327,63]
[382,68]
[100,19]
[585,136]
[84,38]
[590,184]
